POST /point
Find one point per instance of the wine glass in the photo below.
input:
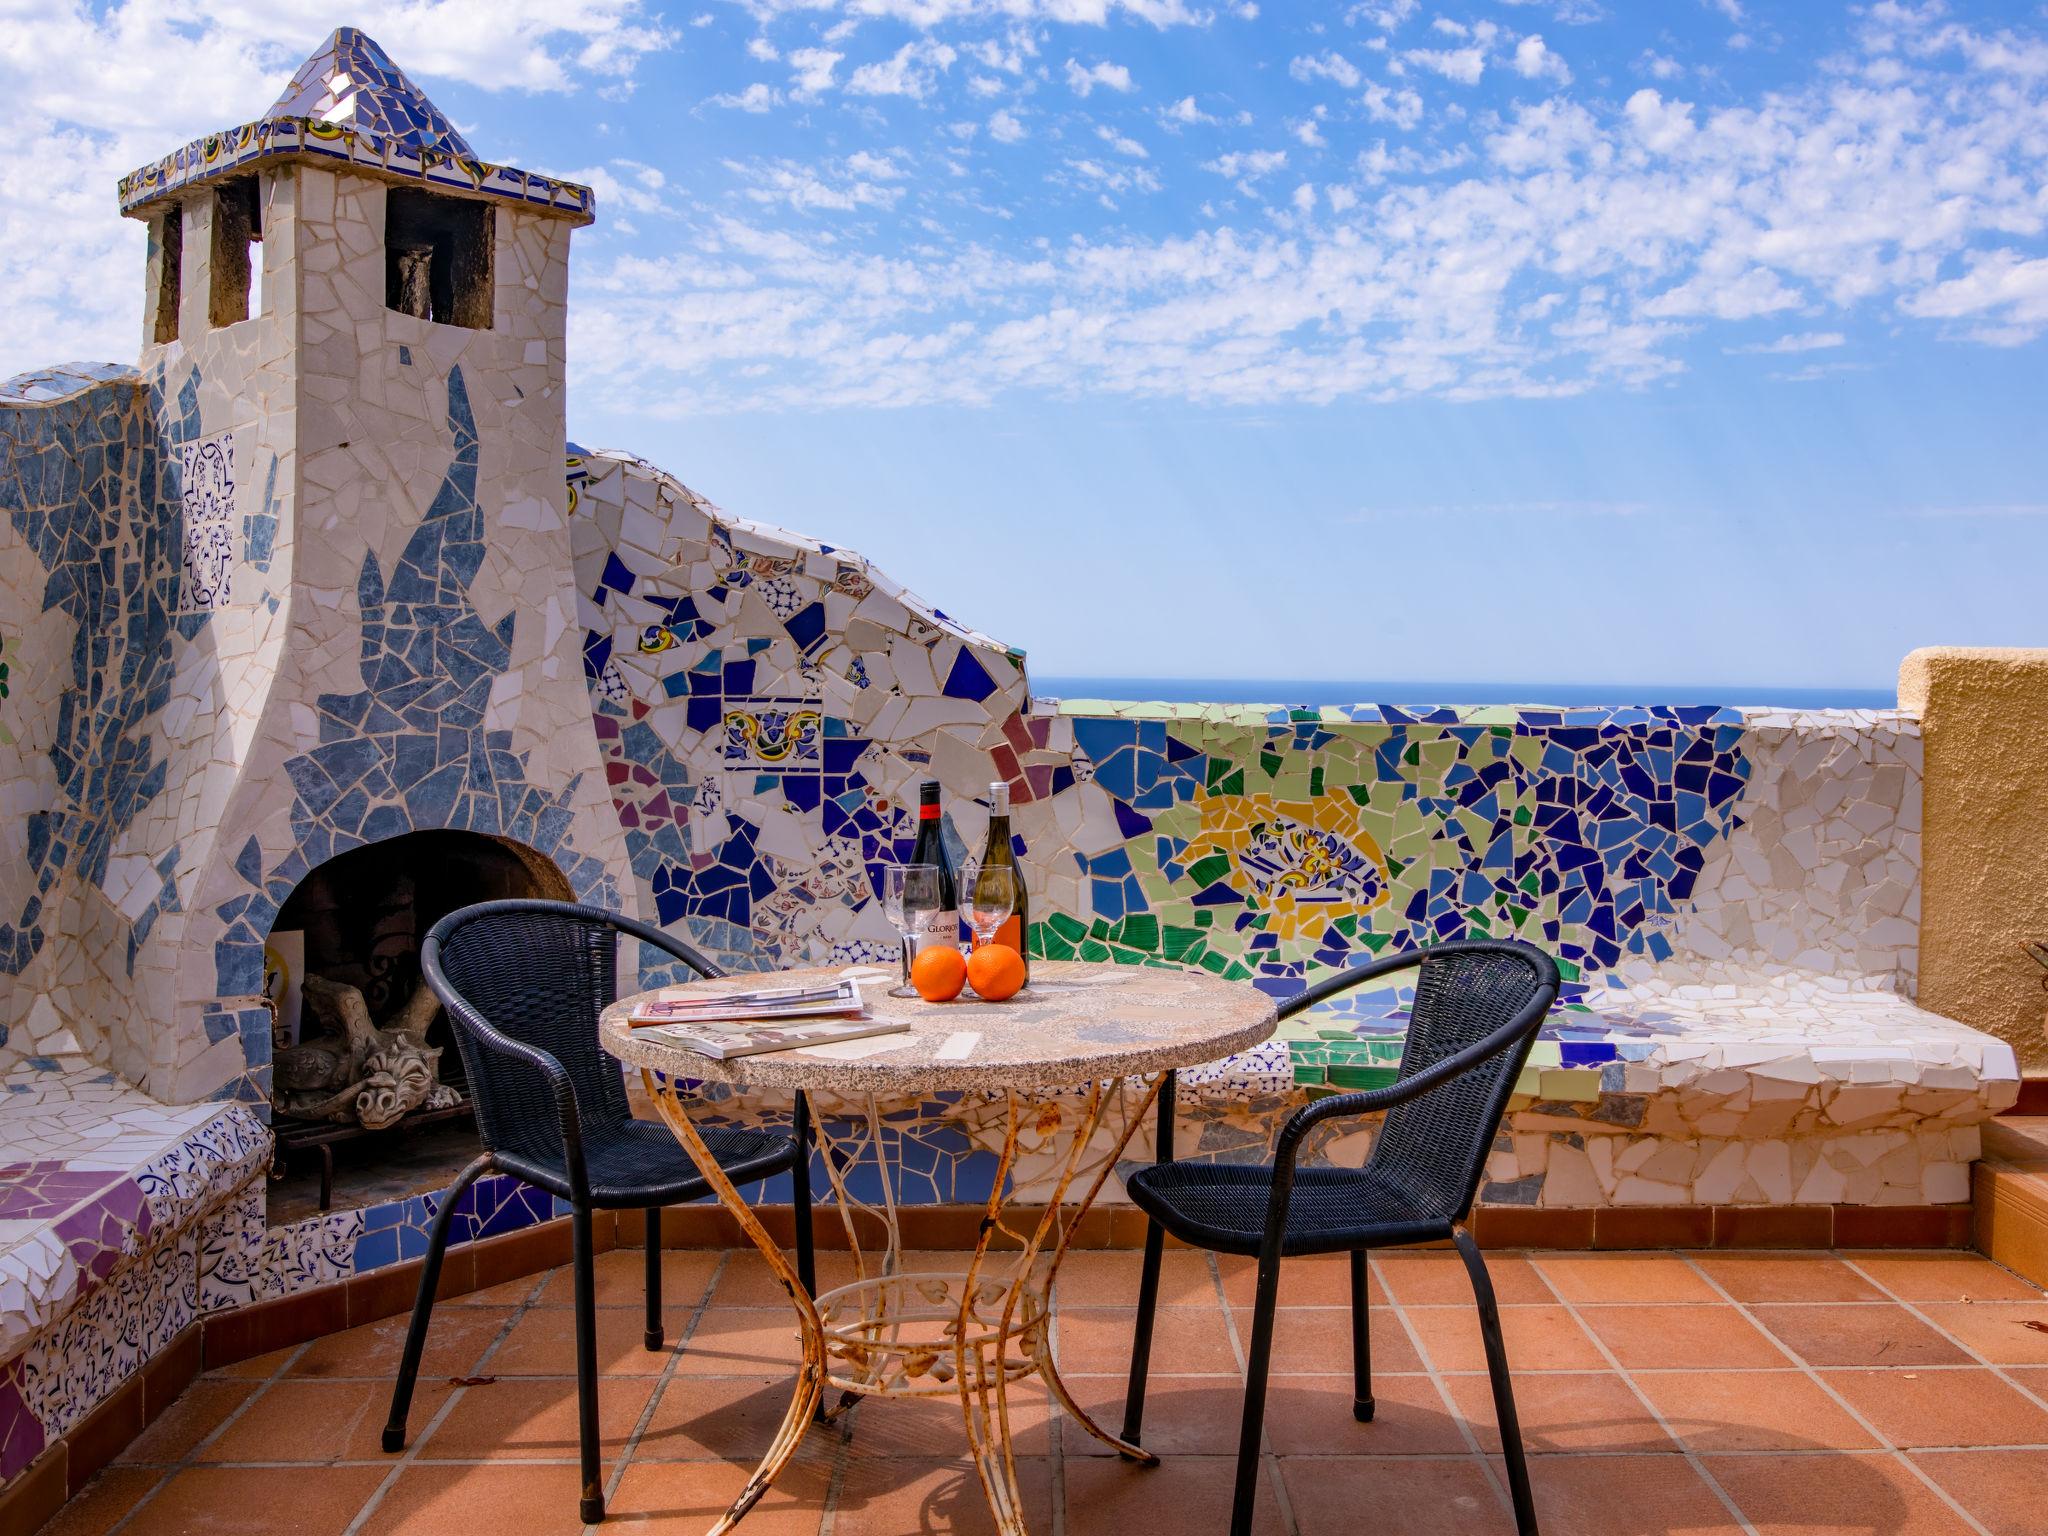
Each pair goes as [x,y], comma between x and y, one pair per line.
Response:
[910,895]
[991,898]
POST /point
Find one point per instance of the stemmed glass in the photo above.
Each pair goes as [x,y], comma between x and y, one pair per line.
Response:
[991,898]
[910,897]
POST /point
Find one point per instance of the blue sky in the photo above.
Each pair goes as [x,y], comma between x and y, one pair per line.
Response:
[1692,344]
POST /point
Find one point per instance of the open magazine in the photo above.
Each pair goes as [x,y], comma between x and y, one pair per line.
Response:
[722,1025]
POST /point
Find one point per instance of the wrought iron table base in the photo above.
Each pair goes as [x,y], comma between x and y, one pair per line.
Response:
[967,1335]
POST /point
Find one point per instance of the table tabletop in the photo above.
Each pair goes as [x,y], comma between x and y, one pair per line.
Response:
[1077,1022]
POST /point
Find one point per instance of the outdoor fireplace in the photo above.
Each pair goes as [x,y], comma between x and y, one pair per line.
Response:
[364,1058]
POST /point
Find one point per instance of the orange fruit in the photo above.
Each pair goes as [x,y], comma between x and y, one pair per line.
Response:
[995,971]
[938,973]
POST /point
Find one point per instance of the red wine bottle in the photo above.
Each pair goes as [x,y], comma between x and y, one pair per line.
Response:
[931,849]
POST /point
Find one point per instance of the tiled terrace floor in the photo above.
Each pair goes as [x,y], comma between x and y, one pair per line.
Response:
[1772,1393]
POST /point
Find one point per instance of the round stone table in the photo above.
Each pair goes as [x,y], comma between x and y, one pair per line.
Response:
[1057,1058]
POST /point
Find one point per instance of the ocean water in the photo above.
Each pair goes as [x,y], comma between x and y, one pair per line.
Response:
[1305,694]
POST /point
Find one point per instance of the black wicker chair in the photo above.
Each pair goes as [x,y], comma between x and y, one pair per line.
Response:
[523,983]
[1478,1005]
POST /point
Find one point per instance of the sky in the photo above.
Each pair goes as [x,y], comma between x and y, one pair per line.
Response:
[1691,343]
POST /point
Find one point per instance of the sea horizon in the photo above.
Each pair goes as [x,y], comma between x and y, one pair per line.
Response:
[1305,693]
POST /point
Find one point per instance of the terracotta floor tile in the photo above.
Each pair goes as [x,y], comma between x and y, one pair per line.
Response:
[1916,1409]
[1428,1278]
[1859,1335]
[882,1497]
[1870,1494]
[1312,1340]
[1184,1415]
[1447,1497]
[519,1418]
[1096,1341]
[257,1501]
[506,1293]
[1765,1276]
[197,1412]
[103,1501]
[1564,1411]
[1682,1338]
[321,1421]
[718,1418]
[1316,1280]
[2003,1332]
[1311,1416]
[456,1341]
[505,1499]
[1943,1276]
[1610,1277]
[1537,1338]
[1752,1411]
[621,1279]
[747,1281]
[686,1497]
[1110,1279]
[1625,1496]
[543,1343]
[2003,1489]
[932,1429]
[255,1368]
[1189,1494]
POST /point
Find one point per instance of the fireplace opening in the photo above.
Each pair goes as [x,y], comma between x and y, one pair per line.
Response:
[369,1100]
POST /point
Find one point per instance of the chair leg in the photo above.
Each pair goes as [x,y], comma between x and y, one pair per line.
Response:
[653,1337]
[1361,1344]
[1141,1341]
[1503,1387]
[800,1197]
[591,1506]
[1257,1366]
[423,1304]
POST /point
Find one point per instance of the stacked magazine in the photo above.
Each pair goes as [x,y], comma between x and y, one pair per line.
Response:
[722,1025]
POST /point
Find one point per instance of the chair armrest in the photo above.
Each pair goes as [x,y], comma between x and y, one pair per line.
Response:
[1345,980]
[567,1121]
[667,943]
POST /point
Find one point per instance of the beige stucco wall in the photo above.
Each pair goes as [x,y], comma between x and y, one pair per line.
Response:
[1984,883]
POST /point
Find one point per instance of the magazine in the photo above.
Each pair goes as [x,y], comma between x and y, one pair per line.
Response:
[722,1042]
[753,1005]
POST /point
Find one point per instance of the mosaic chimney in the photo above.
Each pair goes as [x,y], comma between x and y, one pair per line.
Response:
[346,579]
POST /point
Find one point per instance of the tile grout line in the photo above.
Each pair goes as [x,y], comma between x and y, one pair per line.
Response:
[662,1378]
[2003,1373]
[190,1458]
[411,1454]
[1840,1401]
[1436,1376]
[1691,1456]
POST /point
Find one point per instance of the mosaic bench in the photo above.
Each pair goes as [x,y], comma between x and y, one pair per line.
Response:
[1787,1090]
[112,1206]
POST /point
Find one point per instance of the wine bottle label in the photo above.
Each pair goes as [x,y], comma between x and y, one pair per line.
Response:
[927,813]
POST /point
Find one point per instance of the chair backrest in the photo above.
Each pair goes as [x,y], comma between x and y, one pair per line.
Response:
[540,973]
[1434,1146]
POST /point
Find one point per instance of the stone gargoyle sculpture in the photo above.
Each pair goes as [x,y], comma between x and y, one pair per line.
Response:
[356,1071]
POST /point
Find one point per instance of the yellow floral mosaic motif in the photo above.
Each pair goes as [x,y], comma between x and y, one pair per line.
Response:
[1306,862]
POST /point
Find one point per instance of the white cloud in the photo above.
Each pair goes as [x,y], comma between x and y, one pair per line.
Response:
[1247,165]
[1004,127]
[1798,341]
[813,70]
[1333,67]
[912,70]
[1464,65]
[1384,14]
[755,98]
[1402,107]
[1535,60]
[760,48]
[838,187]
[1083,80]
[1181,114]
[1120,143]
[2004,286]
